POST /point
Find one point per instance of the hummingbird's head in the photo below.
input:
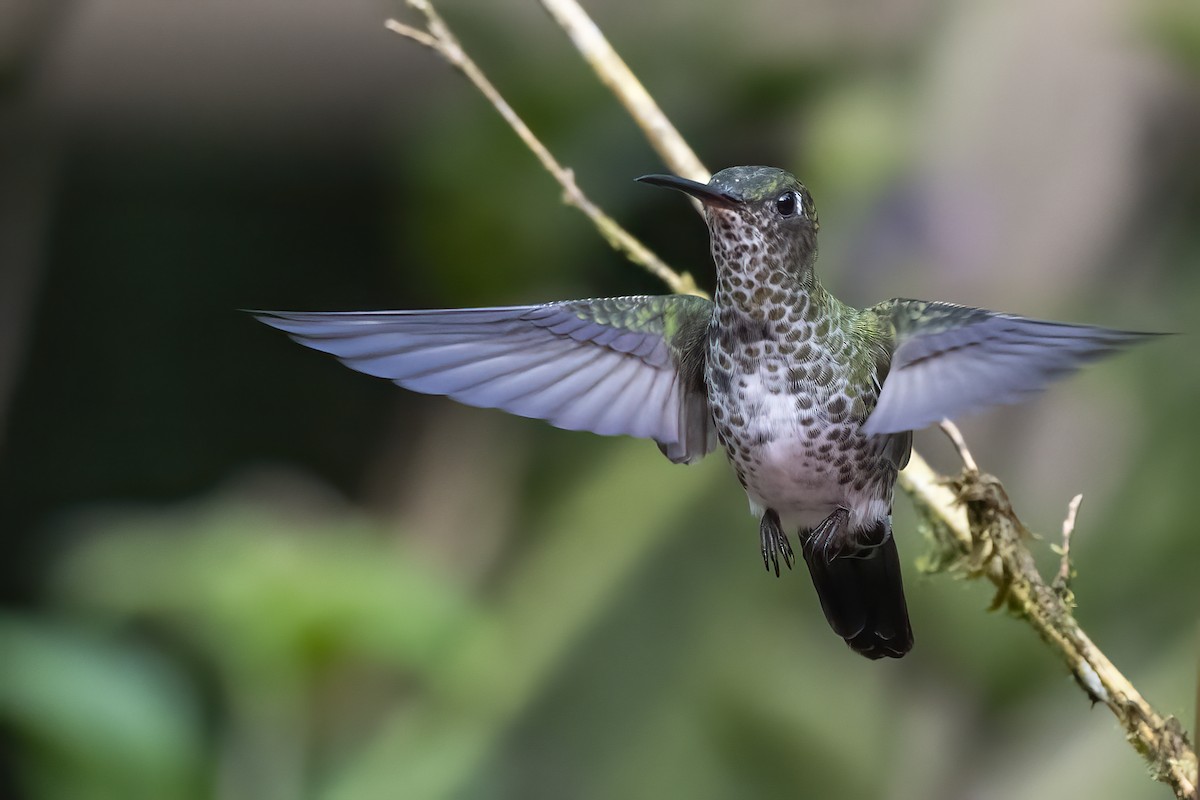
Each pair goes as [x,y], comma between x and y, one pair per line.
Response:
[756,216]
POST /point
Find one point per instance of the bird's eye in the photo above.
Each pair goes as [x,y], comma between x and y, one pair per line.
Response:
[787,204]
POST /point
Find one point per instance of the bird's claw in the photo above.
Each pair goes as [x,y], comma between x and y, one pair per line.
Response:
[774,543]
[827,538]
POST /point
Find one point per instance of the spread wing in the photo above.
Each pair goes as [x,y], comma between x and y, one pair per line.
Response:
[950,360]
[625,365]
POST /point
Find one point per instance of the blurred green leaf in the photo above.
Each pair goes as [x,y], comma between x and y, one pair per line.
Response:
[96,718]
[251,586]
[550,600]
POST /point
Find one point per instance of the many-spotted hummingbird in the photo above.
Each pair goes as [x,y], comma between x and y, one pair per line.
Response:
[814,401]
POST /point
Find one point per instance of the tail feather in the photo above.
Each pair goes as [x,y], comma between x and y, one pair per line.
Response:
[863,596]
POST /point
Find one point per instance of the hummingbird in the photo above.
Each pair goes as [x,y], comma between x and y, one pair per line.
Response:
[814,401]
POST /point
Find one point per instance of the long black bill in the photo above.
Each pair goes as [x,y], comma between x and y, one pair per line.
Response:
[702,192]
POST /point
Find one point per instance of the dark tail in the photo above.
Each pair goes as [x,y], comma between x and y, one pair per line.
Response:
[862,595]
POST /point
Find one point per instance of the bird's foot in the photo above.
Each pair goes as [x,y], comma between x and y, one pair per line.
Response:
[828,538]
[774,542]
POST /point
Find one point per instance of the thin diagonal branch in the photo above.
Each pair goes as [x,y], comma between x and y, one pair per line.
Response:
[438,37]
[616,75]
[969,519]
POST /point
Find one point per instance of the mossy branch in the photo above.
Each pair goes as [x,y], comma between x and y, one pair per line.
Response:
[976,533]
[973,528]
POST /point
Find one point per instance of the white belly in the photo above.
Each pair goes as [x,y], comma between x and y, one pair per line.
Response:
[802,462]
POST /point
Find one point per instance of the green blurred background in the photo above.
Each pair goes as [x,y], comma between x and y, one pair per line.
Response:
[234,569]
